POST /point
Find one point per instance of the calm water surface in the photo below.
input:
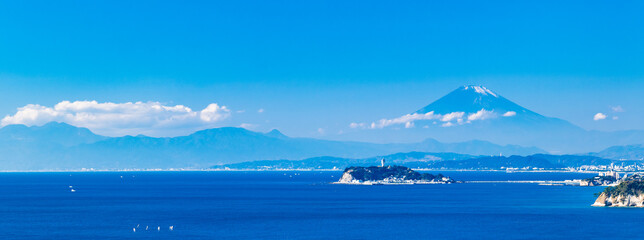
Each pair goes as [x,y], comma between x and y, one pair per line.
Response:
[301,205]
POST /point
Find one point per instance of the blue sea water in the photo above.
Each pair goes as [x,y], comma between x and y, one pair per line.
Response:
[301,205]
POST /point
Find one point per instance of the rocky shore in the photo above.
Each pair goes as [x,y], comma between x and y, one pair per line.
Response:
[626,194]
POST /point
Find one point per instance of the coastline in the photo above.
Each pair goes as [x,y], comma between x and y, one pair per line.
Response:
[280,170]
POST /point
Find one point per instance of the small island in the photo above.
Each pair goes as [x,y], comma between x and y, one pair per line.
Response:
[389,175]
[599,181]
[628,193]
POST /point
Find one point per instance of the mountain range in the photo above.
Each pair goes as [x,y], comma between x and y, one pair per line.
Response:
[470,120]
[434,161]
[59,146]
[409,159]
[628,152]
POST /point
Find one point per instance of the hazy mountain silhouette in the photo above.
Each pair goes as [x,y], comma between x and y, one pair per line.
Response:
[62,146]
[628,152]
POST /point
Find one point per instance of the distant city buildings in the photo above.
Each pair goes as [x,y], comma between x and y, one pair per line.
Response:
[612,167]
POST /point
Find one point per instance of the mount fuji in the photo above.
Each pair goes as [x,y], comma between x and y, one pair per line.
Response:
[470,105]
[472,99]
[477,113]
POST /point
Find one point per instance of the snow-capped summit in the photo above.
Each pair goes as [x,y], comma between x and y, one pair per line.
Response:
[479,89]
[472,99]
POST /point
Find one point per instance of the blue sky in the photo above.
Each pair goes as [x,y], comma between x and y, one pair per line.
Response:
[316,66]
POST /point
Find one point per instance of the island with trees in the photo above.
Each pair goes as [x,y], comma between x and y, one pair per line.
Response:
[377,175]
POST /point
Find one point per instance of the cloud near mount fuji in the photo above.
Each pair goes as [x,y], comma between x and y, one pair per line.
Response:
[599,116]
[117,119]
[449,119]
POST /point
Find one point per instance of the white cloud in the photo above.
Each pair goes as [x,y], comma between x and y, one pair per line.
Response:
[510,114]
[599,116]
[248,126]
[617,109]
[402,120]
[449,119]
[261,110]
[481,115]
[117,119]
[214,113]
[321,130]
[451,116]
[615,117]
[447,124]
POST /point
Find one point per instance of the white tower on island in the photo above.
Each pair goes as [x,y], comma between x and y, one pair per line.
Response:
[382,162]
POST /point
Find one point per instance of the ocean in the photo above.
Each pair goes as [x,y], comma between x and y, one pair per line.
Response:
[301,205]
